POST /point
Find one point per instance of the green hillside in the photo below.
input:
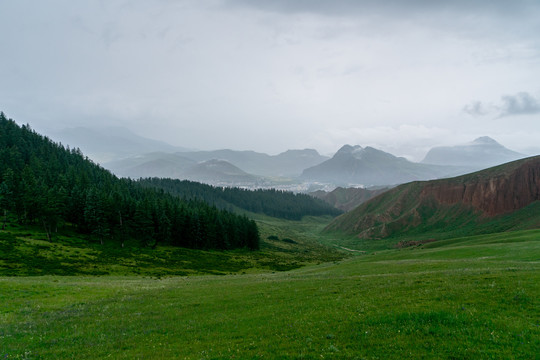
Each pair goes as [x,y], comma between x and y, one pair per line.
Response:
[271,202]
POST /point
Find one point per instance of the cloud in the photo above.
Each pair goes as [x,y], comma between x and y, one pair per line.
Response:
[522,103]
[476,108]
[400,8]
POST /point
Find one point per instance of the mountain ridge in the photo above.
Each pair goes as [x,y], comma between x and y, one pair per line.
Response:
[371,167]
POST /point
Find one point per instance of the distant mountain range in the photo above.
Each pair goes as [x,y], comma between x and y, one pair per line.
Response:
[369,166]
[130,155]
[287,164]
[496,199]
[350,166]
[216,166]
[481,153]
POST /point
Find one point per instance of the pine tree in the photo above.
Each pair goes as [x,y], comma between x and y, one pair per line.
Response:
[94,215]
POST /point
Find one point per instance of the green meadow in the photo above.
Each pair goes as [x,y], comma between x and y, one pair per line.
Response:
[463,298]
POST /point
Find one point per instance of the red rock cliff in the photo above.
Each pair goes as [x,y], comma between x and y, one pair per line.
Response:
[496,195]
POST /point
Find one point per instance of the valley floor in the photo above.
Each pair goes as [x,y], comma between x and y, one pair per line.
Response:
[468,298]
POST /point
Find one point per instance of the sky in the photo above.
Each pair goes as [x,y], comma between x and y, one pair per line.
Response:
[402,76]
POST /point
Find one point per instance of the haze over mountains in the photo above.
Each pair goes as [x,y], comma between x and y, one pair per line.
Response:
[220,167]
[110,143]
[130,155]
[481,153]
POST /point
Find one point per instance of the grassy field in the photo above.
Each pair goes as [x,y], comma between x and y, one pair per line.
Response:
[26,251]
[466,298]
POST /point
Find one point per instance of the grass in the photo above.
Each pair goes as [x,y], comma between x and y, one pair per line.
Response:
[466,298]
[26,251]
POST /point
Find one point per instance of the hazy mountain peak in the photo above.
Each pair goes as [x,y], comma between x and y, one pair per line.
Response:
[348,149]
[299,152]
[485,140]
[481,153]
[358,152]
[367,166]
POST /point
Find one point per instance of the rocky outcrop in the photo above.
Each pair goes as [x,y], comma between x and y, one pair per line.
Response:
[497,195]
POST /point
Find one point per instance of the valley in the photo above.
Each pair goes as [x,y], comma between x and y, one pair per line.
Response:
[96,266]
[269,180]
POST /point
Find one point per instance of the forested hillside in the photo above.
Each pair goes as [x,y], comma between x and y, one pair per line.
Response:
[276,203]
[42,183]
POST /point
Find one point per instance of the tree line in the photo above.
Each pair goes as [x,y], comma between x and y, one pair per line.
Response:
[46,184]
[272,202]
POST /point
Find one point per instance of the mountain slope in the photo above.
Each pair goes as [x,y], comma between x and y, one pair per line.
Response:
[293,162]
[498,198]
[203,165]
[481,153]
[369,166]
[271,202]
[347,199]
[216,171]
[289,163]
[157,164]
[176,166]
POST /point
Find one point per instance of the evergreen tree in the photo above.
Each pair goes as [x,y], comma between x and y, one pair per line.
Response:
[95,216]
[43,182]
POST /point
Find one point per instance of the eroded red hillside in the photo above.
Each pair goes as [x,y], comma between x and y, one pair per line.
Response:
[501,194]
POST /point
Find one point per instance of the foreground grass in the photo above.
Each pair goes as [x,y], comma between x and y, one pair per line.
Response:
[468,298]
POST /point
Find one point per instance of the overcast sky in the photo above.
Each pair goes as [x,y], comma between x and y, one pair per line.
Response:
[398,75]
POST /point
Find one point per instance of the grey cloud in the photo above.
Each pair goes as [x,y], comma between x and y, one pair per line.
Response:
[344,7]
[522,103]
[476,108]
[511,21]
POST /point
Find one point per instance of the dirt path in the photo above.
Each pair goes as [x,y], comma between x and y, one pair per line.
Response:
[344,248]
